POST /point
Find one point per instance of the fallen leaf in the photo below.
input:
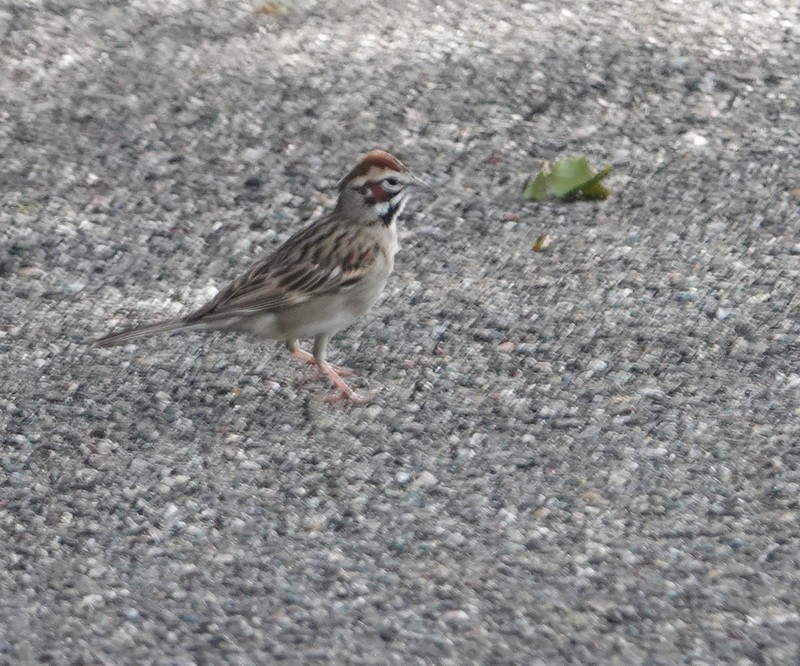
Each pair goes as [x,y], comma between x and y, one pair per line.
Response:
[536,189]
[270,9]
[543,242]
[569,178]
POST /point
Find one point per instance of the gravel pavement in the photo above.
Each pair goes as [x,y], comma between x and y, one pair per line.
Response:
[583,455]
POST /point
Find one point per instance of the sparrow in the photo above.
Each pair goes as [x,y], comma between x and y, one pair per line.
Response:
[321,280]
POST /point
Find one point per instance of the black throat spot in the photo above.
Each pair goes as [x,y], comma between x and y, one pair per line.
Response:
[390,214]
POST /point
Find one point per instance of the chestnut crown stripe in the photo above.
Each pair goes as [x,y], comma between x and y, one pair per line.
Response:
[374,158]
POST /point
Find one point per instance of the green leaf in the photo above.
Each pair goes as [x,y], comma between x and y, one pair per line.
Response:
[594,191]
[567,179]
[568,175]
[536,189]
[542,243]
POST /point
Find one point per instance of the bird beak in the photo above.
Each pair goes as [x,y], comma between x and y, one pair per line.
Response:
[419,182]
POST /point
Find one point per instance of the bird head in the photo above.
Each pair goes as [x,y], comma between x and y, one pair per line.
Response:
[377,187]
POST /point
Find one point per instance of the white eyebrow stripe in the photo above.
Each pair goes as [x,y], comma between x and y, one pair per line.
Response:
[399,185]
[374,174]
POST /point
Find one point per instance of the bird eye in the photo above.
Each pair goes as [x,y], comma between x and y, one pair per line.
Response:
[391,181]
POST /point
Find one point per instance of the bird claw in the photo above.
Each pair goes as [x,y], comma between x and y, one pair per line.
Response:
[335,374]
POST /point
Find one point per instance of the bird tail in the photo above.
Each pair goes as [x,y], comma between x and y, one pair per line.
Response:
[168,326]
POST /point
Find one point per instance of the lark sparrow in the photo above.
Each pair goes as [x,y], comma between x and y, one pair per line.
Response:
[320,280]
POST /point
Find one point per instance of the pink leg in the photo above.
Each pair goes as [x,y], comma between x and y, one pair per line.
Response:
[346,393]
[304,356]
[307,357]
[333,372]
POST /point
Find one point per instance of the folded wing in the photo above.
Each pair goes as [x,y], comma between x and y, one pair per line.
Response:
[305,267]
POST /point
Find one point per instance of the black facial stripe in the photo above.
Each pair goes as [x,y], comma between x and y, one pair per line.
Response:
[389,215]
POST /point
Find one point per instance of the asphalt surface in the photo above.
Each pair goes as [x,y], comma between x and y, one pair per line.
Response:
[584,455]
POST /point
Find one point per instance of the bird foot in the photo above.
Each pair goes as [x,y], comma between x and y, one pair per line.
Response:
[345,392]
[335,374]
[309,358]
